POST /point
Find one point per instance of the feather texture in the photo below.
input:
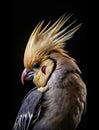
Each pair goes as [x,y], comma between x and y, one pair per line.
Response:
[29,110]
[51,38]
[61,104]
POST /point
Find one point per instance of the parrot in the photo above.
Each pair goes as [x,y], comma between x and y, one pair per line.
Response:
[57,100]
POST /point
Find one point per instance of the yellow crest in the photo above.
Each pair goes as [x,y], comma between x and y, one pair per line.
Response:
[44,41]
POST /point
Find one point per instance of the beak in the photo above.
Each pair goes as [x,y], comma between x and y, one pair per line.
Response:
[27,75]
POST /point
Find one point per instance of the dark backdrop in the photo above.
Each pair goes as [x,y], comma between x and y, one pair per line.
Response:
[25,16]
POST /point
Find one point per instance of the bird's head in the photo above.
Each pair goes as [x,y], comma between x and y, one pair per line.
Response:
[42,42]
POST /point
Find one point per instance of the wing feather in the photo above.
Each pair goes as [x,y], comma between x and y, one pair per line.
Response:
[29,111]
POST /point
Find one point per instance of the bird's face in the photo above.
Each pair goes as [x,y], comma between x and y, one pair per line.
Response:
[42,43]
[40,72]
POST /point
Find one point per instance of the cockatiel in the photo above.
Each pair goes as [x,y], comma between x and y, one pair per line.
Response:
[58,101]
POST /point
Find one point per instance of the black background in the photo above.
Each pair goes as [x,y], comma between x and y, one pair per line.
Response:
[24,17]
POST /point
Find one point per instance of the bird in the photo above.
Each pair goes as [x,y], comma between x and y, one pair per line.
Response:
[58,99]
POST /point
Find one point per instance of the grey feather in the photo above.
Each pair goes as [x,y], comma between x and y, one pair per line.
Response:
[29,110]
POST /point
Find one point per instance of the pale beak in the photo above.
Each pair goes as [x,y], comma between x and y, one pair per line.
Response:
[27,75]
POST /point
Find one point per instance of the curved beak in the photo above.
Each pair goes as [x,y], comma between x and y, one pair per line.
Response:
[27,75]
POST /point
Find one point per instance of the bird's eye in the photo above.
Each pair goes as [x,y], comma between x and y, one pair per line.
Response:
[36,65]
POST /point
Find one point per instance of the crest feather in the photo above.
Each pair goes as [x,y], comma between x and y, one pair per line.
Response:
[44,41]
